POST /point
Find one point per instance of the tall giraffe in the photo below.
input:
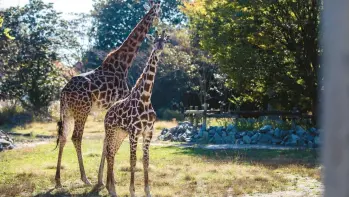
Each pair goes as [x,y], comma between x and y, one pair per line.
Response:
[132,116]
[100,87]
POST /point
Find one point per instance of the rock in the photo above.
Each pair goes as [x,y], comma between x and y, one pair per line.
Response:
[255,138]
[205,135]
[229,139]
[277,133]
[224,134]
[243,134]
[246,139]
[317,141]
[265,138]
[309,137]
[231,128]
[276,140]
[182,138]
[310,144]
[174,139]
[167,136]
[4,142]
[161,137]
[164,131]
[188,132]
[217,139]
[265,128]
[250,133]
[312,130]
[212,130]
[219,130]
[292,140]
[300,131]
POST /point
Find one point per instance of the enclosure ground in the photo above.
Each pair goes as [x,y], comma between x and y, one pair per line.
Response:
[174,171]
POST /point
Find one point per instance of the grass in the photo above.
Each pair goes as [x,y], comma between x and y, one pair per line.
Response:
[174,171]
[93,128]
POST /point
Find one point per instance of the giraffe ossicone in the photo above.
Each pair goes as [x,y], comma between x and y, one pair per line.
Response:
[101,87]
[132,116]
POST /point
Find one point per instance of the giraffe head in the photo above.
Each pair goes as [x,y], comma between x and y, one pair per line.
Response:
[158,41]
[155,5]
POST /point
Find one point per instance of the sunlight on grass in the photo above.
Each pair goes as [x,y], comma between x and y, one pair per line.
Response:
[174,171]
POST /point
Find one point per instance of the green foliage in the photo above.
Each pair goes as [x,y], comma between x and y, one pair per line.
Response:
[167,114]
[268,49]
[13,114]
[114,20]
[29,74]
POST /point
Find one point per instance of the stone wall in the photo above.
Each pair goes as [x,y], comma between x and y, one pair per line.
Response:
[266,135]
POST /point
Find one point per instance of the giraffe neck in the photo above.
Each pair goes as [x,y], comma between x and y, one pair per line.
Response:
[125,54]
[145,83]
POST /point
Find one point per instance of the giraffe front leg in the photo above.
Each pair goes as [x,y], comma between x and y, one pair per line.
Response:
[146,143]
[133,160]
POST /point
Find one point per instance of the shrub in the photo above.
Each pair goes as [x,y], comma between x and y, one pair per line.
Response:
[13,114]
[167,114]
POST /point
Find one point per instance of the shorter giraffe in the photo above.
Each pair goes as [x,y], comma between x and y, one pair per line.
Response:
[132,116]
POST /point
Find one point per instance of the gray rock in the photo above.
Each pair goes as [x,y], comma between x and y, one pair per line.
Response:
[277,133]
[309,137]
[231,128]
[255,138]
[174,139]
[167,136]
[246,139]
[300,131]
[219,130]
[205,135]
[229,139]
[4,142]
[218,139]
[182,138]
[243,133]
[164,131]
[276,140]
[292,140]
[224,134]
[265,128]
[317,141]
[250,133]
[265,139]
[310,144]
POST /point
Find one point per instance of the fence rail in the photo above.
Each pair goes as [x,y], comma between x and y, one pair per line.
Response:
[196,115]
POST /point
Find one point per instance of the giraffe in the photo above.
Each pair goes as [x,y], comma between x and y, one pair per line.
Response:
[131,117]
[99,88]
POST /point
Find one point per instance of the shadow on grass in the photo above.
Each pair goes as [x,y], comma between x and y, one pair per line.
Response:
[273,158]
[67,192]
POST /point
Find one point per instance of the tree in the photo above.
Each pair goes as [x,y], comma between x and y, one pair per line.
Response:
[114,20]
[263,45]
[40,35]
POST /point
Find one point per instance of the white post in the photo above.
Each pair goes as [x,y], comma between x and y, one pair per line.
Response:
[335,113]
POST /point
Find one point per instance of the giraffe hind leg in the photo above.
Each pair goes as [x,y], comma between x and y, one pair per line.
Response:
[62,139]
[133,160]
[79,125]
[113,142]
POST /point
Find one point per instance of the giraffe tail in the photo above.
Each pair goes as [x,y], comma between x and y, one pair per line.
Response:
[60,122]
[60,132]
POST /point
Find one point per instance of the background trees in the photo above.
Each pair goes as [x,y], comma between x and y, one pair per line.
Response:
[40,38]
[233,54]
[269,49]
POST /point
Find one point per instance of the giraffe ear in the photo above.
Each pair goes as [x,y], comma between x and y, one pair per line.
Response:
[150,37]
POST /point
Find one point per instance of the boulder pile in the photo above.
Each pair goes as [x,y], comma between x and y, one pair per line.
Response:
[6,143]
[185,132]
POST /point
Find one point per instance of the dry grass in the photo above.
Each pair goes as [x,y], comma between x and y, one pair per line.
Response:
[93,128]
[174,171]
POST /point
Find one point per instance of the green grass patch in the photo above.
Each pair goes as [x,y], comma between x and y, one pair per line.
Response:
[174,171]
